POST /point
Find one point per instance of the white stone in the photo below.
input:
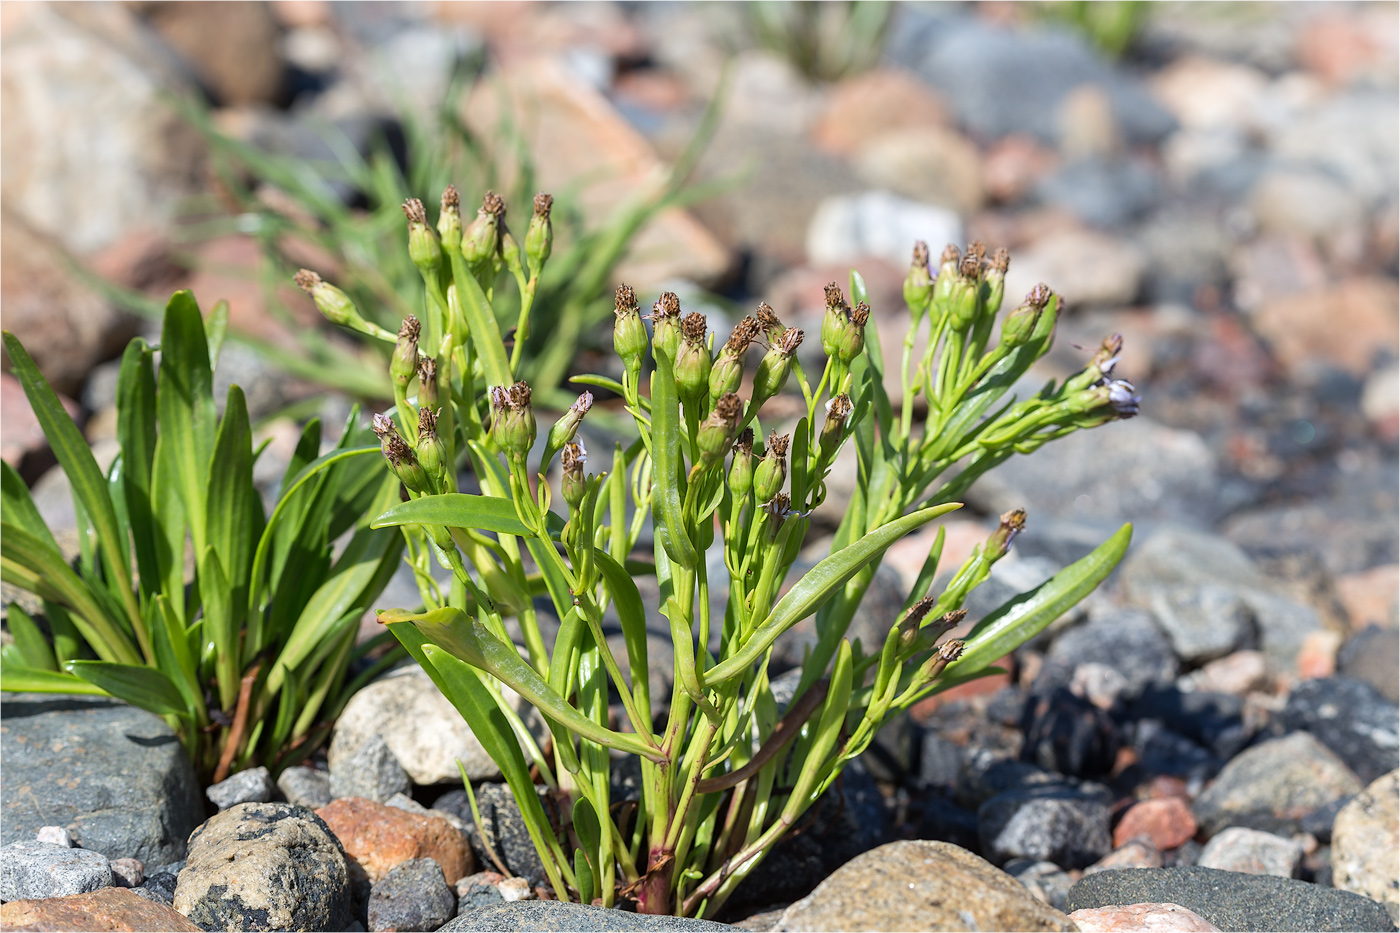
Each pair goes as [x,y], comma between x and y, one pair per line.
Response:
[848,227]
[55,835]
[1253,852]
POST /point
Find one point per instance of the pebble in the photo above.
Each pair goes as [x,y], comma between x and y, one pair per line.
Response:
[1135,854]
[1087,268]
[874,102]
[563,916]
[848,227]
[1054,823]
[1237,674]
[305,787]
[117,910]
[934,164]
[478,890]
[1272,785]
[115,777]
[377,838]
[160,885]
[1233,900]
[1105,192]
[54,835]
[412,896]
[921,885]
[1351,718]
[1253,852]
[1045,880]
[505,828]
[1068,734]
[942,819]
[127,872]
[1126,640]
[33,869]
[1365,840]
[1344,324]
[264,866]
[251,786]
[1142,918]
[1373,655]
[1215,720]
[424,732]
[1165,822]
[1304,202]
[371,772]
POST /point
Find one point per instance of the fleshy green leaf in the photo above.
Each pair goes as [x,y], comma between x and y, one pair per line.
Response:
[235,510]
[17,679]
[456,510]
[138,685]
[666,456]
[32,645]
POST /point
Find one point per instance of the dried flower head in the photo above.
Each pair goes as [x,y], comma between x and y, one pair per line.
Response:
[493,204]
[413,210]
[307,280]
[543,204]
[744,443]
[778,445]
[667,306]
[451,200]
[790,341]
[693,327]
[860,314]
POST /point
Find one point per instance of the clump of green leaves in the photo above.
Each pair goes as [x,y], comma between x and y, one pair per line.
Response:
[824,41]
[726,771]
[249,657]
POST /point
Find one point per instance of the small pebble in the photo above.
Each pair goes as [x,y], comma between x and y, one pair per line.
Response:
[1166,822]
[251,786]
[515,889]
[1142,918]
[128,872]
[1252,852]
[1135,854]
[55,835]
[305,787]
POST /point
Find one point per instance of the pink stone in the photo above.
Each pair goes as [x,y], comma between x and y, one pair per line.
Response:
[1142,918]
[1165,822]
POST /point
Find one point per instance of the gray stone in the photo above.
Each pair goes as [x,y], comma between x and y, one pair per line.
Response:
[32,869]
[478,890]
[1045,880]
[1204,622]
[1365,840]
[1048,823]
[1234,901]
[1305,203]
[1137,470]
[1273,785]
[1105,192]
[114,776]
[921,885]
[572,918]
[371,772]
[1352,719]
[1253,852]
[305,787]
[265,866]
[849,227]
[1124,639]
[251,786]
[501,819]
[412,896]
[1373,655]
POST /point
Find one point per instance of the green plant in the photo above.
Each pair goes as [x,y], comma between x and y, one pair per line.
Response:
[248,656]
[725,771]
[824,41]
[1111,25]
[288,202]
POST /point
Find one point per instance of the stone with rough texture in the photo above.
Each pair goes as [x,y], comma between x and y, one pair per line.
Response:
[1045,880]
[377,837]
[1235,901]
[114,776]
[1253,852]
[1273,785]
[412,896]
[1142,918]
[570,918]
[423,730]
[1344,325]
[1052,822]
[265,866]
[109,910]
[1351,718]
[1135,854]
[305,787]
[371,771]
[251,786]
[505,827]
[1166,822]
[1085,267]
[54,835]
[1126,640]
[32,869]
[921,885]
[1365,843]
[127,872]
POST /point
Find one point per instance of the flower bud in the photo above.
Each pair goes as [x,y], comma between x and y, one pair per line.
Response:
[741,466]
[835,321]
[510,249]
[513,420]
[449,223]
[717,431]
[481,240]
[403,365]
[566,427]
[1012,524]
[778,511]
[629,333]
[918,283]
[431,452]
[963,301]
[692,363]
[1018,326]
[943,655]
[423,246]
[947,277]
[768,322]
[853,338]
[838,415]
[913,620]
[994,283]
[539,237]
[666,324]
[728,370]
[773,369]
[573,484]
[771,471]
[1109,352]
[427,382]
[330,301]
[399,455]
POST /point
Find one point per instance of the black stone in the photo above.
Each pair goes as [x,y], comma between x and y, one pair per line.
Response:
[1234,901]
[114,776]
[162,885]
[1163,751]
[1126,640]
[1351,718]
[500,817]
[413,896]
[1212,719]
[1068,734]
[943,820]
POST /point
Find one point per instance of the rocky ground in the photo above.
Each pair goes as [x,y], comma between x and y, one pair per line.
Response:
[1221,718]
